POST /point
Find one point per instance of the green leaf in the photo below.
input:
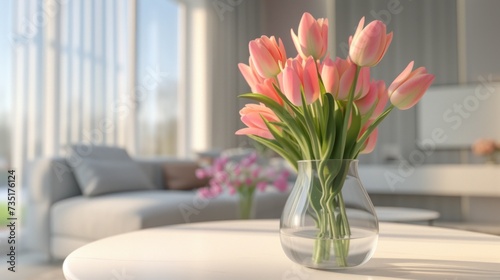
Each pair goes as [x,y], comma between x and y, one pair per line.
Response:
[311,128]
[294,124]
[371,128]
[278,149]
[347,113]
[338,149]
[353,131]
[299,116]
[330,129]
[287,144]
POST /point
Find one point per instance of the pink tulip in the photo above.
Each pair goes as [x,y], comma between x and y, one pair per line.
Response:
[363,84]
[407,89]
[290,84]
[267,88]
[250,75]
[251,116]
[369,44]
[330,76]
[347,71]
[310,81]
[369,101]
[266,55]
[382,99]
[371,142]
[312,38]
[296,77]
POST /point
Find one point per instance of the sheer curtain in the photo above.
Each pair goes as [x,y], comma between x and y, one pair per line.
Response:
[72,76]
[217,33]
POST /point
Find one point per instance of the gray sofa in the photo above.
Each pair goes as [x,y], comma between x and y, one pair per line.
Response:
[61,219]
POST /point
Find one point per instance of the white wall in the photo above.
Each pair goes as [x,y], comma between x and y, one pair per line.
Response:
[279,16]
[482,39]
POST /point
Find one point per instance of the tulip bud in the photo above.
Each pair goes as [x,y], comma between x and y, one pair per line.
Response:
[369,44]
[330,76]
[251,116]
[312,38]
[409,87]
[369,101]
[267,55]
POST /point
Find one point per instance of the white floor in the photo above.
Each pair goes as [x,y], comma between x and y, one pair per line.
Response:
[32,266]
[29,265]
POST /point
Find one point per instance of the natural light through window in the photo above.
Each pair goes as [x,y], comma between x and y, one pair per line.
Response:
[157,76]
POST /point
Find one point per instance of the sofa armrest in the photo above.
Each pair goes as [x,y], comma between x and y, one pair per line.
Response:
[50,180]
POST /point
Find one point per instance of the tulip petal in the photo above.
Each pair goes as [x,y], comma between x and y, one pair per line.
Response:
[346,81]
[371,142]
[382,99]
[368,45]
[267,89]
[312,37]
[411,91]
[267,67]
[248,74]
[330,76]
[292,86]
[255,131]
[401,78]
[310,81]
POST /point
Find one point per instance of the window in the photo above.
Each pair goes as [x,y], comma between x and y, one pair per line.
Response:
[157,77]
[88,82]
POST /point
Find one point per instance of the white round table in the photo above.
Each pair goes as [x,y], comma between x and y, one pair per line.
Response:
[403,214]
[251,250]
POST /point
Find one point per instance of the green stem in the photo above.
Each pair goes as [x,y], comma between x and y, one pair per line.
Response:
[333,226]
[246,202]
[366,134]
[347,115]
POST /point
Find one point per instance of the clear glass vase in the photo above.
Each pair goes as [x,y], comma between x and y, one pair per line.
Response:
[329,221]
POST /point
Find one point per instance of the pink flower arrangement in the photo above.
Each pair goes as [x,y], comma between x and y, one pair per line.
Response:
[485,147]
[243,177]
[315,107]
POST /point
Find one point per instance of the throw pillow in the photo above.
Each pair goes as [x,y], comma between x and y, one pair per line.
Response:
[101,170]
[182,176]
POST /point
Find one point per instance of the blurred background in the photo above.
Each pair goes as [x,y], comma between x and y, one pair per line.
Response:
[160,77]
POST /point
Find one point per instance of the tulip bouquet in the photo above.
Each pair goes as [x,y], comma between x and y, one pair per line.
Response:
[242,177]
[313,107]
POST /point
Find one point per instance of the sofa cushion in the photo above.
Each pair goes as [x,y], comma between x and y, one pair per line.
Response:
[182,176]
[102,216]
[101,170]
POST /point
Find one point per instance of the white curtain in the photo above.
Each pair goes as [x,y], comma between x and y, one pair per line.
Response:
[72,75]
[218,33]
